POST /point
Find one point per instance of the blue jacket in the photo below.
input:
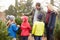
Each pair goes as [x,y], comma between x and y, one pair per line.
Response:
[52,20]
[12,29]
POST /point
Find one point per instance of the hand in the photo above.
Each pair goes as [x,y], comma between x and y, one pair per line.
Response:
[32,35]
[50,28]
[18,25]
[43,35]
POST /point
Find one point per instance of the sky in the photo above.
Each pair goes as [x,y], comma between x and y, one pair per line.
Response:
[4,4]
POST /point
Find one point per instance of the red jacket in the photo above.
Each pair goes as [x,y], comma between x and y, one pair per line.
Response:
[25,27]
[48,16]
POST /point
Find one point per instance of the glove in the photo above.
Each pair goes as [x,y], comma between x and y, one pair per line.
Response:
[32,35]
[51,28]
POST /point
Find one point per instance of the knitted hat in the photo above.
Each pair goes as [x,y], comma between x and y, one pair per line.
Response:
[40,16]
[10,17]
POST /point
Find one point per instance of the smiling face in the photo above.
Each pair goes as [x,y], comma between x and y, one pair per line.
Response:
[38,6]
[49,7]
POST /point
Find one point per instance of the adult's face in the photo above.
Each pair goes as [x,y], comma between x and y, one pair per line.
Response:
[37,7]
[49,8]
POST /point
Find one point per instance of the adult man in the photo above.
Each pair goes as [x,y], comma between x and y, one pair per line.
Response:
[36,11]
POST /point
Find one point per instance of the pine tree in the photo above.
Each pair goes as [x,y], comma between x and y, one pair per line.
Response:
[3,31]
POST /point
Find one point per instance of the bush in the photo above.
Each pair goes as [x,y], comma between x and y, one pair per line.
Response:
[18,21]
[3,31]
[57,31]
[30,21]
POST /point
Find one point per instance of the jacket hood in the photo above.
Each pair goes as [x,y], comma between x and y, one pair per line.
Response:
[25,19]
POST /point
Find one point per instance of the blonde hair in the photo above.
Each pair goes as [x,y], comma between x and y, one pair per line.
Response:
[8,23]
[50,6]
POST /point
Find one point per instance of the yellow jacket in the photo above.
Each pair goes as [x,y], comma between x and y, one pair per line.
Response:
[38,28]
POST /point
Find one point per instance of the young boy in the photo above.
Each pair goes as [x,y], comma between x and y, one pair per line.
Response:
[12,29]
[38,28]
[25,28]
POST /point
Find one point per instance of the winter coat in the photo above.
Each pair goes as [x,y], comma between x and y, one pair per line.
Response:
[38,28]
[25,27]
[52,20]
[12,29]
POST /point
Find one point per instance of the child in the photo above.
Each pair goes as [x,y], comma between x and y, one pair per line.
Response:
[12,29]
[38,28]
[25,28]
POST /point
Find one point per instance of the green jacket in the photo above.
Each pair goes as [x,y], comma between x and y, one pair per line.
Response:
[33,12]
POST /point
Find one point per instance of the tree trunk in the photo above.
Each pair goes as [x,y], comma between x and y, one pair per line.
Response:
[52,2]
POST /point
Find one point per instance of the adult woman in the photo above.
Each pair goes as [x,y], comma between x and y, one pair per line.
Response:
[50,21]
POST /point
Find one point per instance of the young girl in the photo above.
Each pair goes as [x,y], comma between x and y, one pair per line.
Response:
[12,28]
[38,28]
[25,28]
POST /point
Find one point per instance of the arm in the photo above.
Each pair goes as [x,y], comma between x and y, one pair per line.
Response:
[15,28]
[44,27]
[31,13]
[44,15]
[29,27]
[33,29]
